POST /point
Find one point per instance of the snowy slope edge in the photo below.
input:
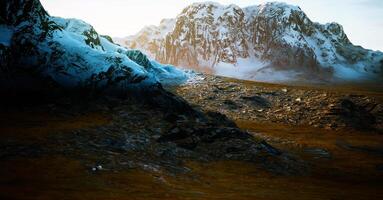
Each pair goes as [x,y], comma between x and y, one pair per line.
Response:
[71,52]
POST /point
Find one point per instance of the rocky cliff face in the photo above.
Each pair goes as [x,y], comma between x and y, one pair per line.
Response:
[15,12]
[257,42]
[70,52]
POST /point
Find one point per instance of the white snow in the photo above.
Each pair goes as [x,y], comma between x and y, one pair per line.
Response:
[270,9]
[65,56]
[346,73]
[168,74]
[243,69]
[79,60]
[253,69]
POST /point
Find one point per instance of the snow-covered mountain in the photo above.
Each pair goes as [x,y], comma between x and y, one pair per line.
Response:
[70,52]
[273,42]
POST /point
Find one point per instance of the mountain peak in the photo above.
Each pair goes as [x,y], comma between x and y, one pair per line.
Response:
[272,7]
[257,41]
[206,3]
[208,9]
[277,4]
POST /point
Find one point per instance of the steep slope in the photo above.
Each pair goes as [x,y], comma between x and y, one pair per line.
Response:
[151,129]
[272,41]
[70,52]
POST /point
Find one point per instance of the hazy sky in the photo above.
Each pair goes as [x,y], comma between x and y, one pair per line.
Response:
[361,19]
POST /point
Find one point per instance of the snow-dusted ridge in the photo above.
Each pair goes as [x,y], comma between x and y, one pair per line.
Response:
[71,52]
[270,42]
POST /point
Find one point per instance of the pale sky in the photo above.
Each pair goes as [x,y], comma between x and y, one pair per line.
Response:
[361,19]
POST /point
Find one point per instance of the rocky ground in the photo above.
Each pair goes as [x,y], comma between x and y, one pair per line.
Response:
[155,131]
[331,107]
[155,145]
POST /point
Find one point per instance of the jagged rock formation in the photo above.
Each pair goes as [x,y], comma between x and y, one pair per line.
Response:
[70,52]
[257,42]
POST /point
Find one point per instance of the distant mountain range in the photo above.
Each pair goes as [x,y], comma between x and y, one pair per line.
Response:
[270,42]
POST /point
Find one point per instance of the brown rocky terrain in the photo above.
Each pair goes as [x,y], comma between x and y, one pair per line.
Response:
[88,119]
[328,106]
[157,147]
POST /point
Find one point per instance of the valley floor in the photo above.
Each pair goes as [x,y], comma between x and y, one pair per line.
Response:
[58,151]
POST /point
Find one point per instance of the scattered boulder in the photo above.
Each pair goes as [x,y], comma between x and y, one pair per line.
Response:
[353,115]
[321,108]
[257,101]
[230,104]
[219,119]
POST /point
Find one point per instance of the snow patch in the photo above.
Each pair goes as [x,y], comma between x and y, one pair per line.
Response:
[71,52]
[242,69]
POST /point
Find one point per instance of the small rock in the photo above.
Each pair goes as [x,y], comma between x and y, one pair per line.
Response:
[318,152]
[97,168]
[298,99]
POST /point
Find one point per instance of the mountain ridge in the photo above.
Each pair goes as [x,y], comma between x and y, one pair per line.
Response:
[260,42]
[70,53]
